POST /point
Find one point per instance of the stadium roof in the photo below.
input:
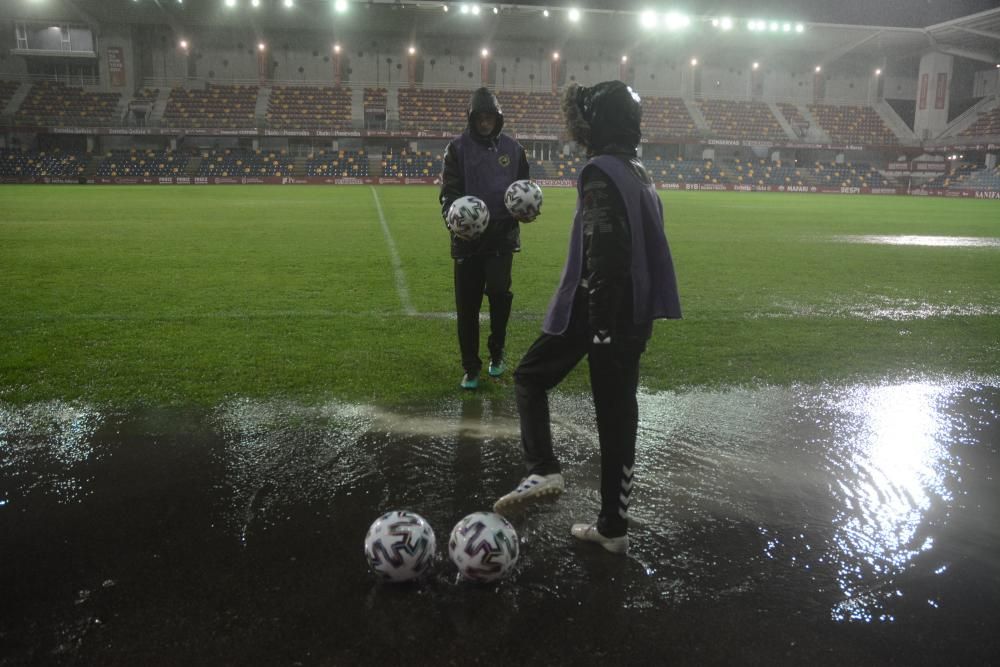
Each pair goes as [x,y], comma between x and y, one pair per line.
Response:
[825,38]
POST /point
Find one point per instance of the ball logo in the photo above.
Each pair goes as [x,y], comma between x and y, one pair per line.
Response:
[504,160]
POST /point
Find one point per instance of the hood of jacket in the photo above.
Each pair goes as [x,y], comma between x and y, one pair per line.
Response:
[483,100]
[604,115]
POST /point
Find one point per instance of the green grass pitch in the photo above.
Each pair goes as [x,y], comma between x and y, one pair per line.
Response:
[188,295]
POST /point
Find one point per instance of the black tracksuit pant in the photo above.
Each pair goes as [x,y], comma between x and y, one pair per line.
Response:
[475,276]
[614,380]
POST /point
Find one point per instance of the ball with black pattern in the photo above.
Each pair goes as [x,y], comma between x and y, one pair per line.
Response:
[524,200]
[468,217]
[400,546]
[484,547]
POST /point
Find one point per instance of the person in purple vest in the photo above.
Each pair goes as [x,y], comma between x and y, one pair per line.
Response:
[483,162]
[618,278]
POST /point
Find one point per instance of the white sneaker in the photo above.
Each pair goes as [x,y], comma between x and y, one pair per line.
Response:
[531,489]
[588,533]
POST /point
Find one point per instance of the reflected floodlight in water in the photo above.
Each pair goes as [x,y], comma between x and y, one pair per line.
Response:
[895,470]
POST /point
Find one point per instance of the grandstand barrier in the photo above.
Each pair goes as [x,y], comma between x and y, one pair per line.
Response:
[552,183]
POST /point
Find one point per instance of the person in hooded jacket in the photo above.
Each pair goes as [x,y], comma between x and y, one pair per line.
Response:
[483,162]
[618,278]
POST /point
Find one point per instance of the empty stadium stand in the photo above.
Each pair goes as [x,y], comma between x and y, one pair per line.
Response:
[240,163]
[853,124]
[218,106]
[433,110]
[7,90]
[987,124]
[146,164]
[309,108]
[423,164]
[54,103]
[741,120]
[666,117]
[56,163]
[794,118]
[339,164]
[531,113]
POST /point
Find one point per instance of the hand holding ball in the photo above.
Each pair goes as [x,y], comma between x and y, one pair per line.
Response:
[524,200]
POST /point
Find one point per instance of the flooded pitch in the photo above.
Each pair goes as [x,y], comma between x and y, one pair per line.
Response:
[837,525]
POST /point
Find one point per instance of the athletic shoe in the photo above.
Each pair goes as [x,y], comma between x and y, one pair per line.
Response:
[497,367]
[588,533]
[470,381]
[531,489]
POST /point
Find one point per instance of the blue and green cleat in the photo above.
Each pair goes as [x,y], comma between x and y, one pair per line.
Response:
[497,367]
[470,381]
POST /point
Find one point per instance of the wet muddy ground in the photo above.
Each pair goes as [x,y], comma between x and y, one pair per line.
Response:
[830,525]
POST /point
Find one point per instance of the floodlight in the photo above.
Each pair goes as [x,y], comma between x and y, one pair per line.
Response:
[774,26]
[675,21]
[230,3]
[756,66]
[555,55]
[464,9]
[694,62]
[183,44]
[412,50]
[444,7]
[545,13]
[574,15]
[648,19]
[255,3]
[289,3]
[475,10]
[726,23]
[786,27]
[262,46]
[799,27]
[485,53]
[715,23]
[340,6]
[624,59]
[878,72]
[336,48]
[818,69]
[496,10]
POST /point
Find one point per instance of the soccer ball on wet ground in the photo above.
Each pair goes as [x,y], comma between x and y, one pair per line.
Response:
[400,546]
[483,546]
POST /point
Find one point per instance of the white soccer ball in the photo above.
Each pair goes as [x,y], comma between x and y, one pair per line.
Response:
[468,217]
[524,200]
[399,546]
[483,546]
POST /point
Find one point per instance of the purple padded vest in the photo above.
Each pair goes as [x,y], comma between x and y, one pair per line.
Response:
[654,285]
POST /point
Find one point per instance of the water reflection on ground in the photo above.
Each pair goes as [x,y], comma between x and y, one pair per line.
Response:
[834,524]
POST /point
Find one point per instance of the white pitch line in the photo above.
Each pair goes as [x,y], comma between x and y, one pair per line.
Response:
[397,264]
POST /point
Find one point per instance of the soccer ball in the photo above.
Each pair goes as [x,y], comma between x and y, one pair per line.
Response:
[483,546]
[399,546]
[468,217]
[524,200]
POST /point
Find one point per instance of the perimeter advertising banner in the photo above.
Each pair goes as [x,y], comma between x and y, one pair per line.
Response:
[922,99]
[942,90]
[116,66]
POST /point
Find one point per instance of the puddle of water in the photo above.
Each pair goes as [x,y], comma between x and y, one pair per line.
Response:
[856,523]
[933,241]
